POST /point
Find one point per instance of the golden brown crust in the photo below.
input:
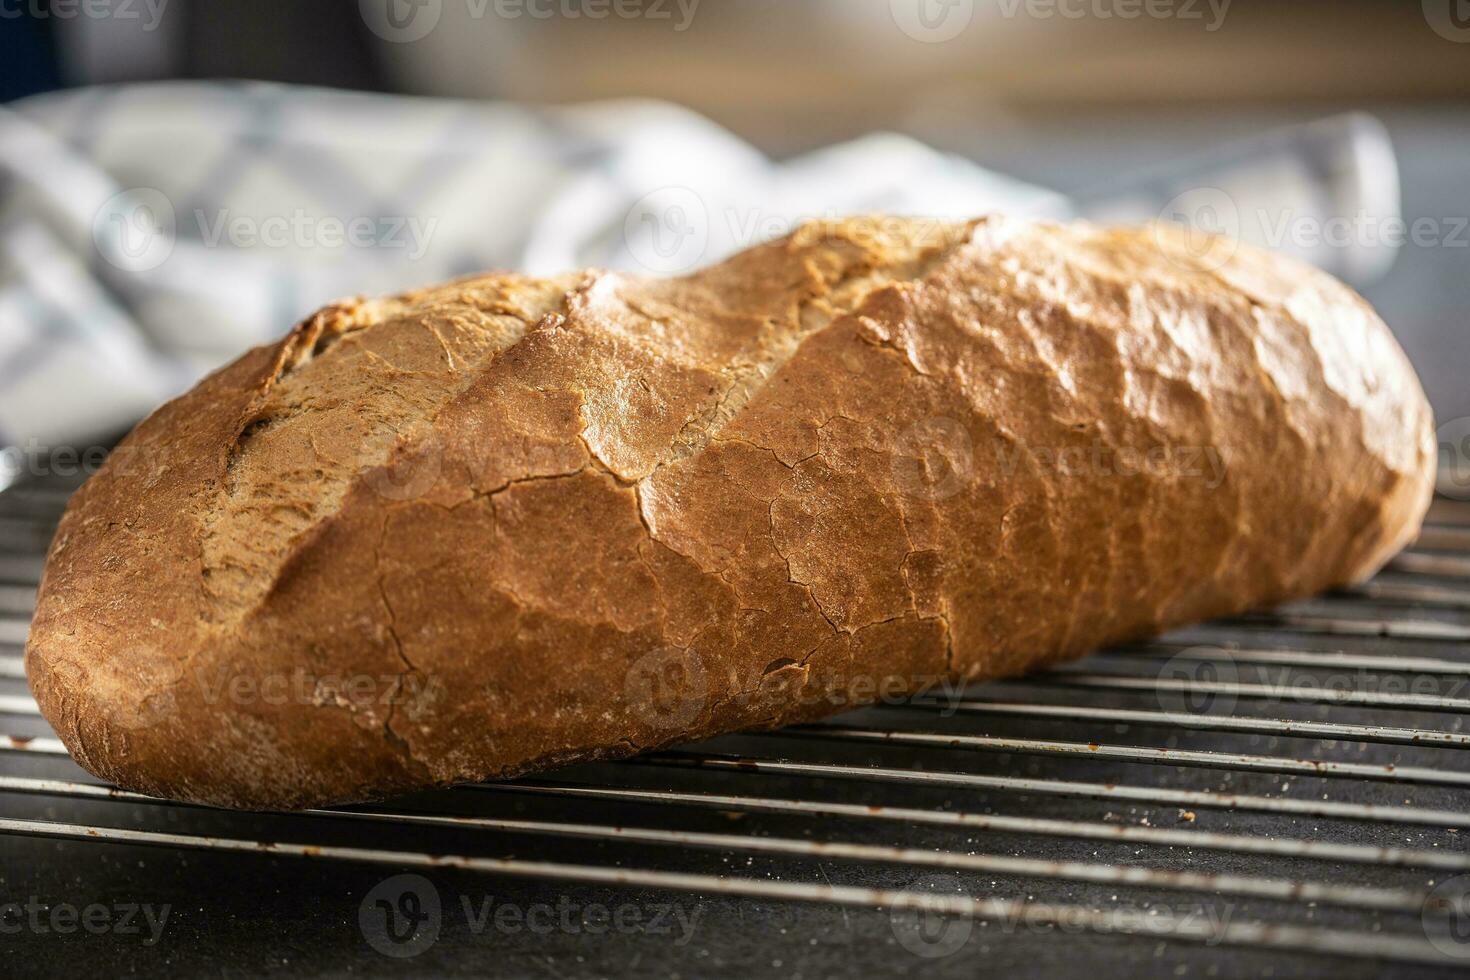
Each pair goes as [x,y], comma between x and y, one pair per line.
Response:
[506,523]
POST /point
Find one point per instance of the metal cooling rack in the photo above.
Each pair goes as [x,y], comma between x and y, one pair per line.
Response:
[1283,792]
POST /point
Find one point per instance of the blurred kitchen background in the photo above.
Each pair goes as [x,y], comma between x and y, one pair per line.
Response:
[1125,107]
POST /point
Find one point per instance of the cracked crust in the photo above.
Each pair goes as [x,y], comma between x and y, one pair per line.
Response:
[506,523]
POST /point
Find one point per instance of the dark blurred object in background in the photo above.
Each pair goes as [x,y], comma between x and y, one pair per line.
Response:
[27,57]
[103,41]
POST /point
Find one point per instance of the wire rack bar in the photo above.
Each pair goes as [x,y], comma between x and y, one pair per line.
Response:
[1438,565]
[1440,538]
[1137,753]
[1388,629]
[1306,693]
[1376,734]
[17,599]
[1454,511]
[1404,814]
[1184,798]
[21,569]
[41,745]
[1205,653]
[1411,593]
[18,704]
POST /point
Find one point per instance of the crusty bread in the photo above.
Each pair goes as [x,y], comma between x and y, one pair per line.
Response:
[508,523]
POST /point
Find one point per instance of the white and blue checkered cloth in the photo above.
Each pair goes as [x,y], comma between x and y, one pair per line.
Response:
[149,233]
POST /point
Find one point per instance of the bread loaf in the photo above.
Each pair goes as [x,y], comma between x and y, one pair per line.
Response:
[508,523]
